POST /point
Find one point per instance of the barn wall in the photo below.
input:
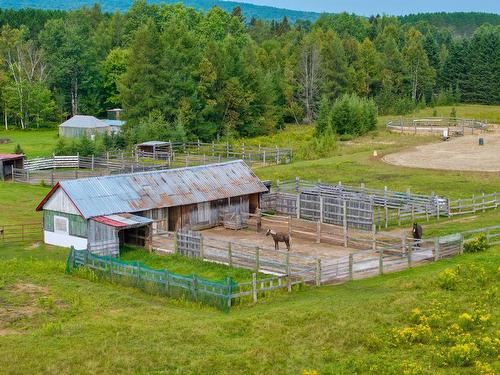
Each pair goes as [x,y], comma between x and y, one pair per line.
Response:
[103,239]
[206,214]
[60,202]
[64,240]
[77,224]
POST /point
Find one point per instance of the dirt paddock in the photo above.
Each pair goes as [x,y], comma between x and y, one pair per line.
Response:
[460,154]
[298,245]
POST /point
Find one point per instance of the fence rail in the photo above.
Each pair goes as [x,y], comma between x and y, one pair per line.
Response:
[454,126]
[253,155]
[220,294]
[11,234]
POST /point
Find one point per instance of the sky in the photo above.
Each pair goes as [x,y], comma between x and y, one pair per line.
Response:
[393,7]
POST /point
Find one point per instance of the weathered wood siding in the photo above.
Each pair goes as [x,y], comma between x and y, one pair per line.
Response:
[207,214]
[60,202]
[103,239]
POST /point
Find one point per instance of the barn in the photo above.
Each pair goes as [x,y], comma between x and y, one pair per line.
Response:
[80,125]
[102,213]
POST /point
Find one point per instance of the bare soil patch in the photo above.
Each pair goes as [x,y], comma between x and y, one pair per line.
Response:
[459,154]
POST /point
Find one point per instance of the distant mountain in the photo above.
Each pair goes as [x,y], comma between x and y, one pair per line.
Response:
[249,10]
[460,22]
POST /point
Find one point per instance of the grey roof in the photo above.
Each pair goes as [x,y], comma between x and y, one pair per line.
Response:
[81,121]
[114,122]
[107,195]
[153,143]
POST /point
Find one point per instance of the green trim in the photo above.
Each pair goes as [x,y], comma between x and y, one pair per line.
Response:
[77,224]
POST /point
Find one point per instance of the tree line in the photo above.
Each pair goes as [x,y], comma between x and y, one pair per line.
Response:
[179,73]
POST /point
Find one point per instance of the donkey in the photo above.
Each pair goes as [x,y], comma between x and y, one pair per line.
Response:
[417,232]
[279,237]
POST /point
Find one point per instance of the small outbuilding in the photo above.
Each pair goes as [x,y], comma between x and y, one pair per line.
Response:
[8,162]
[80,125]
[101,213]
[154,150]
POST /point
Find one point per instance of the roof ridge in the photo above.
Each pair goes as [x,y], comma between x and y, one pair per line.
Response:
[113,176]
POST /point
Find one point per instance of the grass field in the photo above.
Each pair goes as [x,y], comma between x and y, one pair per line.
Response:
[34,143]
[186,266]
[441,318]
[56,323]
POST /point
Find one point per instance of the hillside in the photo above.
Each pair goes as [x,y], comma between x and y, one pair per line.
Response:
[459,22]
[249,10]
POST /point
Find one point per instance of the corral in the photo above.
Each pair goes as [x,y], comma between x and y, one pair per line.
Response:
[459,154]
[441,125]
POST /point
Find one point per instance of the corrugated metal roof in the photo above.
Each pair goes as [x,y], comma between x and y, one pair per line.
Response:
[107,195]
[123,220]
[153,143]
[11,156]
[114,122]
[81,121]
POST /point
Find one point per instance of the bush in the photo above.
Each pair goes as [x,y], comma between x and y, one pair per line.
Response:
[418,334]
[476,245]
[448,279]
[18,150]
[462,354]
[353,115]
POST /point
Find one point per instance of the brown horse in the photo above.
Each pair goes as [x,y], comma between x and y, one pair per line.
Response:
[279,237]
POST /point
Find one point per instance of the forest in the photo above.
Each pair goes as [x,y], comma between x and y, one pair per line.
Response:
[180,73]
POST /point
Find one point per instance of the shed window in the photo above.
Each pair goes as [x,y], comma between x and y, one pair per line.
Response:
[61,225]
[204,212]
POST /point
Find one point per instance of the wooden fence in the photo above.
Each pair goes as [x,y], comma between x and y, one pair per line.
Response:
[220,294]
[50,170]
[453,126]
[474,204]
[217,152]
[14,234]
[387,206]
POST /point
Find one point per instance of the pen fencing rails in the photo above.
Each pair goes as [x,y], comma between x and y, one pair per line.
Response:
[213,293]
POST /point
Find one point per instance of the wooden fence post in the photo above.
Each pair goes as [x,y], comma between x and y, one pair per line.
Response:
[298,206]
[409,255]
[318,231]
[254,287]
[257,259]
[436,249]
[381,262]
[288,273]
[344,222]
[461,248]
[230,254]
[318,271]
[176,243]
[483,204]
[167,284]
[202,250]
[351,264]
[321,208]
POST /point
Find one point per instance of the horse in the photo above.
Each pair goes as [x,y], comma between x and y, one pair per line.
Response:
[279,237]
[417,233]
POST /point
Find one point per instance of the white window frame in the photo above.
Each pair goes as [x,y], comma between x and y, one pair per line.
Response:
[64,219]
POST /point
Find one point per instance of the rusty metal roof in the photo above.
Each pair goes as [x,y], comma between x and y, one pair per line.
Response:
[107,195]
[123,220]
[11,156]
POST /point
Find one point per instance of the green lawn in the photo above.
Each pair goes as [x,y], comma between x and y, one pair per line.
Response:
[51,322]
[18,202]
[186,266]
[33,142]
